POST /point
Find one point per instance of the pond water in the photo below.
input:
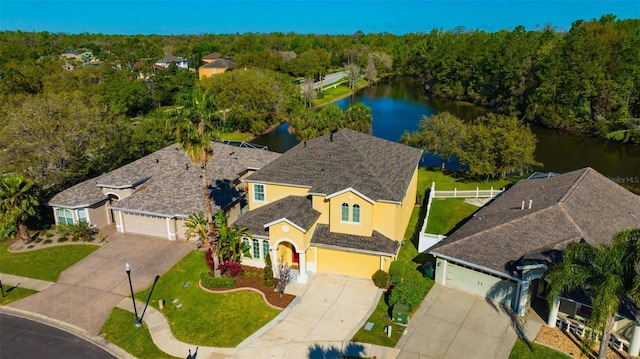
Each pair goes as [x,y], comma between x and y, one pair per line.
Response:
[398,104]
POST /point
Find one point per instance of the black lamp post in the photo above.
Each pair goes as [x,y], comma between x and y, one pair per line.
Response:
[127,267]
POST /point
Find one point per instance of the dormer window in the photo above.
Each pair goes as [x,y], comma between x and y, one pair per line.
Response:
[345,212]
[355,215]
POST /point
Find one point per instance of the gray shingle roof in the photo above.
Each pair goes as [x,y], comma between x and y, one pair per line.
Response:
[169,58]
[296,209]
[220,64]
[170,184]
[377,168]
[377,243]
[581,204]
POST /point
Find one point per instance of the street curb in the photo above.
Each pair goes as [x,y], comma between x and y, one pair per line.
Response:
[98,341]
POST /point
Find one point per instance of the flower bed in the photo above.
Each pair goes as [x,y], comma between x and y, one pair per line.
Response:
[252,278]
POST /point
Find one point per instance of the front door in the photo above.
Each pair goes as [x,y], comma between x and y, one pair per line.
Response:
[295,258]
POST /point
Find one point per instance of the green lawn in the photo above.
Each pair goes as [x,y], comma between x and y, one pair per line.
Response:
[236,136]
[407,265]
[206,319]
[446,213]
[331,94]
[12,294]
[447,182]
[121,331]
[522,351]
[45,264]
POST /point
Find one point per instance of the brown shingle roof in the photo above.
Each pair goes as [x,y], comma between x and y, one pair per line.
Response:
[296,209]
[211,56]
[220,64]
[577,205]
[377,243]
[168,184]
[377,168]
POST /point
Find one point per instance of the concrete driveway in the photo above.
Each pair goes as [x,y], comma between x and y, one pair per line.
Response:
[454,324]
[328,312]
[86,292]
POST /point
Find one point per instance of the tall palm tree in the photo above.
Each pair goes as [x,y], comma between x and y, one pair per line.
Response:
[230,239]
[607,273]
[17,202]
[195,123]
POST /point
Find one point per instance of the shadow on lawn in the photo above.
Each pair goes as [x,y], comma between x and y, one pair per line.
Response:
[352,350]
[8,290]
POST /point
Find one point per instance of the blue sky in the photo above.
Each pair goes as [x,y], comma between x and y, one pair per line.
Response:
[305,16]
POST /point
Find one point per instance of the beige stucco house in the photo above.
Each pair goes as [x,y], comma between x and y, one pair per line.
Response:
[339,203]
[502,252]
[154,194]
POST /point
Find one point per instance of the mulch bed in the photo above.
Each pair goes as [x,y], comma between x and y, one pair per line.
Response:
[252,278]
[569,343]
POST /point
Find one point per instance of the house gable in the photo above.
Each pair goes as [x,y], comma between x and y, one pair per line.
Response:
[351,213]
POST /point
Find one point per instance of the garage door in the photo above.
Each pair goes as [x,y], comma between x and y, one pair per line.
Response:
[484,285]
[150,226]
[347,263]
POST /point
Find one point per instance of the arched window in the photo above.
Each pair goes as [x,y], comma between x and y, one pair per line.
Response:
[345,212]
[256,249]
[356,213]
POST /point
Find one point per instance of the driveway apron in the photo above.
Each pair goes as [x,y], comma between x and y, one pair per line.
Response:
[454,324]
[86,292]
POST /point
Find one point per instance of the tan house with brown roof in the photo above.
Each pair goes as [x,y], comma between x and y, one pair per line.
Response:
[339,203]
[215,67]
[502,252]
[154,194]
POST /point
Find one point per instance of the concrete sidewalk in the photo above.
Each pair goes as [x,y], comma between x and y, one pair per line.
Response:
[24,282]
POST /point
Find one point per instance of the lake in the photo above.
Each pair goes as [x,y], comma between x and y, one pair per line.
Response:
[398,104]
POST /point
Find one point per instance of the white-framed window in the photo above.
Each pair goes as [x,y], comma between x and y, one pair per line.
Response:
[258,192]
[64,216]
[345,213]
[265,249]
[256,249]
[245,241]
[355,215]
[82,215]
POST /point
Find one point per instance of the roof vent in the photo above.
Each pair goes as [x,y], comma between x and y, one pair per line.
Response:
[186,166]
[157,160]
[530,202]
[522,207]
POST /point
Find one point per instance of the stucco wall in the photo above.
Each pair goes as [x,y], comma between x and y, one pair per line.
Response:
[273,193]
[363,228]
[99,214]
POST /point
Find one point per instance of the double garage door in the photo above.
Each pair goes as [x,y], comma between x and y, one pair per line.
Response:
[150,226]
[496,289]
[347,263]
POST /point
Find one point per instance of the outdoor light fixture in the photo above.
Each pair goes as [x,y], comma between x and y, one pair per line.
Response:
[127,267]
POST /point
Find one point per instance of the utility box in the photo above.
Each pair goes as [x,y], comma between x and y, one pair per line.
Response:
[427,269]
[400,314]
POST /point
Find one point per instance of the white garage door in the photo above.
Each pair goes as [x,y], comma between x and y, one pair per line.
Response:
[497,289]
[147,225]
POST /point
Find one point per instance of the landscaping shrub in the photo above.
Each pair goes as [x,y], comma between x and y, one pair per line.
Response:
[63,239]
[231,268]
[268,272]
[380,278]
[216,282]
[409,292]
[47,241]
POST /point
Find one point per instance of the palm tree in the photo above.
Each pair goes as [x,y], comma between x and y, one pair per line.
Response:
[17,202]
[197,228]
[230,244]
[195,124]
[607,273]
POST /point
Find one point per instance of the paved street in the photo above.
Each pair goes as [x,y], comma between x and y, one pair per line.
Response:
[23,338]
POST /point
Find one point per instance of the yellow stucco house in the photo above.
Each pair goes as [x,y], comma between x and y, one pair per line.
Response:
[339,203]
[215,67]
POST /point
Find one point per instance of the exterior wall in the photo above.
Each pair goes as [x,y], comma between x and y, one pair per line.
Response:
[99,214]
[336,225]
[286,231]
[311,254]
[273,193]
[210,71]
[347,263]
[285,250]
[180,229]
[386,218]
[320,204]
[408,204]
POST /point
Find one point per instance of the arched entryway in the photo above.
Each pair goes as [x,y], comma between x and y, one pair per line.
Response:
[286,251]
[113,198]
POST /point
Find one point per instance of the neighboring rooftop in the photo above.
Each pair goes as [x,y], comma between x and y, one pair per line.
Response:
[211,56]
[220,64]
[169,58]
[168,183]
[578,205]
[377,168]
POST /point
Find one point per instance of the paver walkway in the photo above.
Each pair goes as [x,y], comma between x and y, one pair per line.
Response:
[86,292]
[454,324]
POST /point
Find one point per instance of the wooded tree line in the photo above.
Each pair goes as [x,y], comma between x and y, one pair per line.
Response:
[61,126]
